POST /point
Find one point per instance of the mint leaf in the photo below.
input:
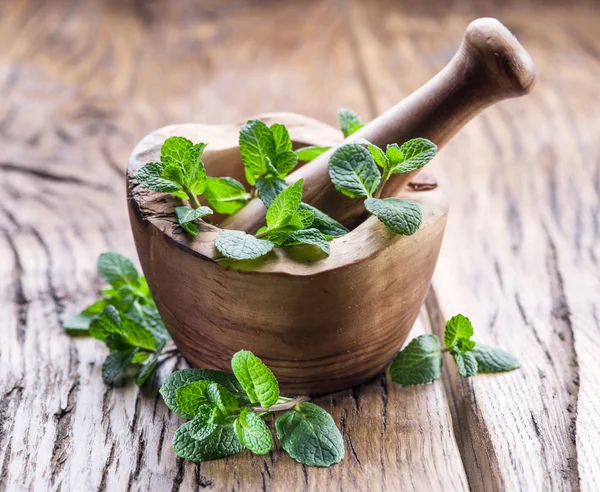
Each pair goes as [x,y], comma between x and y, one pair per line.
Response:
[117,270]
[309,153]
[220,443]
[349,122]
[310,436]
[466,362]
[419,362]
[411,155]
[491,360]
[458,327]
[284,162]
[353,171]
[253,432]
[226,195]
[329,227]
[186,216]
[238,245]
[378,156]
[308,236]
[150,176]
[258,381]
[179,379]
[400,216]
[135,334]
[282,214]
[221,398]
[115,363]
[204,423]
[269,188]
[256,145]
[105,323]
[283,143]
[79,324]
[149,365]
[189,397]
[149,317]
[183,164]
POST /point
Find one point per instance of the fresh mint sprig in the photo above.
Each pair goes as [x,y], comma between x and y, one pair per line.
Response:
[421,360]
[354,171]
[288,223]
[223,421]
[125,319]
[182,173]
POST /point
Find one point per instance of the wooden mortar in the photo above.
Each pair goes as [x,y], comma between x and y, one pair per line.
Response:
[320,323]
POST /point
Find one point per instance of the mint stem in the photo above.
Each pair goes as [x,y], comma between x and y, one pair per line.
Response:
[280,407]
[193,199]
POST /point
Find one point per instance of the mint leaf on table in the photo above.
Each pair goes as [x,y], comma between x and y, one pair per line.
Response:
[253,433]
[149,365]
[151,176]
[353,171]
[256,378]
[349,122]
[256,146]
[281,136]
[226,195]
[307,154]
[457,328]
[115,363]
[149,317]
[329,227]
[221,442]
[179,379]
[466,362]
[221,398]
[420,362]
[189,397]
[79,324]
[492,360]
[238,245]
[269,188]
[204,422]
[310,436]
[400,216]
[117,270]
[187,216]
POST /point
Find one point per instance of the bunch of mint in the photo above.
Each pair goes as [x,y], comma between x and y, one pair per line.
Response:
[181,172]
[223,420]
[287,224]
[421,360]
[125,319]
[349,124]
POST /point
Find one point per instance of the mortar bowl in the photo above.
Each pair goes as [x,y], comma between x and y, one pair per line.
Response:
[321,323]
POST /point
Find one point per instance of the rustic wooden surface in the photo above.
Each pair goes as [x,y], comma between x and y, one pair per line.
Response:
[83,81]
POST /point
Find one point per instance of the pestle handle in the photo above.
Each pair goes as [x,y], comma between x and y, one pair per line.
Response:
[490,65]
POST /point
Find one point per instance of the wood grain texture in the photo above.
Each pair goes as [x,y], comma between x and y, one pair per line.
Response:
[83,81]
[521,252]
[322,323]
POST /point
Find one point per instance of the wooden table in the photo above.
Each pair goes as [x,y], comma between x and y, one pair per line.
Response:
[83,81]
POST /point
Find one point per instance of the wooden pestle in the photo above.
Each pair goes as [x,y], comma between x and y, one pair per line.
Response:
[490,65]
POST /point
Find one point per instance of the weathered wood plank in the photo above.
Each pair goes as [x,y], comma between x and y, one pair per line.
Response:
[82,82]
[521,250]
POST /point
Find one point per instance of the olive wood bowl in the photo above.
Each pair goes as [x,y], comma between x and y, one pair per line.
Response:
[321,323]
